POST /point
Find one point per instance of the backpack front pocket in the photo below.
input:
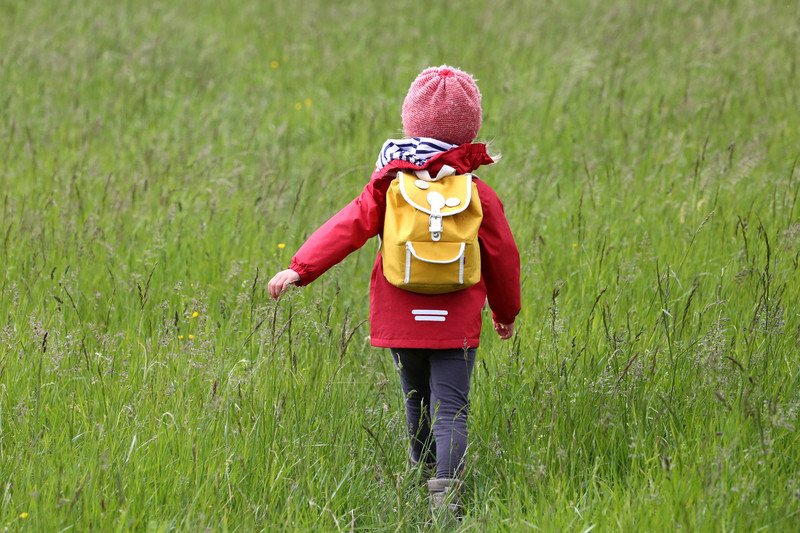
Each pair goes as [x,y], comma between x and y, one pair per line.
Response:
[438,267]
[421,255]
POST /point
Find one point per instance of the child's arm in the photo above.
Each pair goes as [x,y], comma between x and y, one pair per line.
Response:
[499,263]
[344,233]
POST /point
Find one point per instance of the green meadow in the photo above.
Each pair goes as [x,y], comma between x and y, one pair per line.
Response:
[160,160]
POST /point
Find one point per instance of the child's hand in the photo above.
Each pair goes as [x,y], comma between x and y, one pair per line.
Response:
[506,331]
[281,280]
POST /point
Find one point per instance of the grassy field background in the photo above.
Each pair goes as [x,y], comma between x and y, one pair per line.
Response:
[160,160]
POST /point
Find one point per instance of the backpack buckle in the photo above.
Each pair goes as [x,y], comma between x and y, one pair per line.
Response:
[437,202]
[435,226]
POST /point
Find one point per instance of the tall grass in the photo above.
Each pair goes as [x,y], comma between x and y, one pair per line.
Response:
[160,160]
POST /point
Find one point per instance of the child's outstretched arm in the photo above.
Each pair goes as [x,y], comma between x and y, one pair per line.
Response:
[344,233]
[281,280]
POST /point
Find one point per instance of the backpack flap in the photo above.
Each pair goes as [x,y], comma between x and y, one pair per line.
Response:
[445,196]
[455,193]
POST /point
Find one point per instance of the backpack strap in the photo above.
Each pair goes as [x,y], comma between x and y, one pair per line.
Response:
[445,171]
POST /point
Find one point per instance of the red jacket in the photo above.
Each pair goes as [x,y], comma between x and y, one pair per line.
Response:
[392,323]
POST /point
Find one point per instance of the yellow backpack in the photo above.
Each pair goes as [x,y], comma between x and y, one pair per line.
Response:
[430,233]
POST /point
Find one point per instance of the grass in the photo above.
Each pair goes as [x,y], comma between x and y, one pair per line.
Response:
[161,160]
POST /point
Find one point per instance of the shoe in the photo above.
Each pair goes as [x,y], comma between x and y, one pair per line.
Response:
[444,496]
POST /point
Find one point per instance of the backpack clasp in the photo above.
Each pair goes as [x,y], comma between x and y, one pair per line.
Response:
[435,226]
[437,202]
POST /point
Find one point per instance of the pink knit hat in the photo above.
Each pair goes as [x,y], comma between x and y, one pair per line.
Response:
[443,103]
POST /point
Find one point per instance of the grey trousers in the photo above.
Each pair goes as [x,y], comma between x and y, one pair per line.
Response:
[436,389]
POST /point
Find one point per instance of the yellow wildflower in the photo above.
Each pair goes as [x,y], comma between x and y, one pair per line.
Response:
[180,336]
[191,336]
[281,245]
[308,102]
[273,64]
[23,515]
[298,106]
[194,315]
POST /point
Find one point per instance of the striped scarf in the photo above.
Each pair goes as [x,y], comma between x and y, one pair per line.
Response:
[416,151]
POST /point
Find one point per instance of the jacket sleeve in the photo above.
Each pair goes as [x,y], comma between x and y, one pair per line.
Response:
[344,233]
[499,258]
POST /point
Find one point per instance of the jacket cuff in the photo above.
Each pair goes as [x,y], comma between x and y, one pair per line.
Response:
[303,272]
[502,320]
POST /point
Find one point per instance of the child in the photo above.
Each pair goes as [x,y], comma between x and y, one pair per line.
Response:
[435,354]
